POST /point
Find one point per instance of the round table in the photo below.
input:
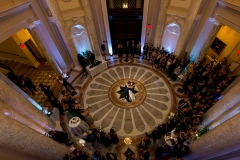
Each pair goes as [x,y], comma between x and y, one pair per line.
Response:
[168,137]
[78,126]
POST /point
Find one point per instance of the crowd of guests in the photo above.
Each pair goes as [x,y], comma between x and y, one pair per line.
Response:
[102,137]
[77,154]
[202,85]
[93,135]
[22,82]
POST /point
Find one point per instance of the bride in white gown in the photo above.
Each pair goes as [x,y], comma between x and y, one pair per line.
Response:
[131,96]
[131,87]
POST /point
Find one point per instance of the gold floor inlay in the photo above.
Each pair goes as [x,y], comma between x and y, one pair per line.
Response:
[118,100]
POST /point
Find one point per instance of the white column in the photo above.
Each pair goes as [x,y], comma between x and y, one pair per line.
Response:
[20,118]
[144,22]
[228,101]
[64,30]
[34,34]
[192,13]
[49,39]
[91,27]
[18,100]
[160,23]
[18,137]
[209,40]
[202,39]
[106,24]
[221,140]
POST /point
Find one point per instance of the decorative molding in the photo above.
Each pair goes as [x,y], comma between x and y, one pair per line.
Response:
[214,21]
[15,9]
[223,3]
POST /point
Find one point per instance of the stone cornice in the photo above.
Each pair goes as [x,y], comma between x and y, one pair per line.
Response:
[15,9]
[225,3]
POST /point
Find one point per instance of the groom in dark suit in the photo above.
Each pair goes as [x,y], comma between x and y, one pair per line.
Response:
[126,92]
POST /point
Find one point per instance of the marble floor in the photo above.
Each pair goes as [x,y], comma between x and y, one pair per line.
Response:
[155,95]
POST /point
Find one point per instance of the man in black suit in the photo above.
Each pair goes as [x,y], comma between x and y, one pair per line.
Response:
[60,137]
[133,48]
[145,50]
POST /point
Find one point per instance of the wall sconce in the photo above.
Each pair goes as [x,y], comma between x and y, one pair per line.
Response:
[125,5]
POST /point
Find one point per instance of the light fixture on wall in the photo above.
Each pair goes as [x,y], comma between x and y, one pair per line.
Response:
[125,5]
[238,52]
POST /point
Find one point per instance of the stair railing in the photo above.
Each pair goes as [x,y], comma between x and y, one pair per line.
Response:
[14,54]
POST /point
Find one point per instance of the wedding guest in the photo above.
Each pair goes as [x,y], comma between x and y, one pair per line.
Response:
[139,48]
[97,155]
[156,134]
[145,155]
[119,50]
[55,103]
[176,73]
[111,156]
[133,48]
[60,137]
[27,82]
[86,115]
[91,57]
[114,137]
[162,151]
[151,49]
[65,83]
[46,89]
[145,50]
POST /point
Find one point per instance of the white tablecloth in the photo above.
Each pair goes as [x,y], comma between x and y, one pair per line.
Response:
[168,136]
[97,69]
[79,127]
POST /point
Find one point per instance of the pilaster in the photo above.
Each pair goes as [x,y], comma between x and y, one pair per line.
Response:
[18,100]
[91,27]
[192,13]
[64,30]
[160,23]
[18,137]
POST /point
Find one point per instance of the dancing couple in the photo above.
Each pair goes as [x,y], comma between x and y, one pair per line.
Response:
[128,91]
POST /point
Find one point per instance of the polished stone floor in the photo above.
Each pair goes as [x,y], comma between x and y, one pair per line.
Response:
[156,97]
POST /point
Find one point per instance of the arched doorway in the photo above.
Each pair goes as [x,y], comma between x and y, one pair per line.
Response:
[80,39]
[170,37]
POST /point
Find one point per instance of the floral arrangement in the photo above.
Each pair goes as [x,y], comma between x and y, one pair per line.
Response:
[201,132]
[127,140]
[100,128]
[171,115]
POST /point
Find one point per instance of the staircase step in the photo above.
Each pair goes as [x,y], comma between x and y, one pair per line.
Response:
[19,68]
[11,64]
[6,62]
[15,65]
[30,72]
[24,70]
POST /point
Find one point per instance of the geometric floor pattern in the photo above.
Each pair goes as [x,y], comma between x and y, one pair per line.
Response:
[153,102]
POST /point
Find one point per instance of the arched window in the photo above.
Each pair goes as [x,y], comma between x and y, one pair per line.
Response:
[80,39]
[170,37]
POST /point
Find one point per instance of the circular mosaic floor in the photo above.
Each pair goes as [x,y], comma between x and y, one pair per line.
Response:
[109,108]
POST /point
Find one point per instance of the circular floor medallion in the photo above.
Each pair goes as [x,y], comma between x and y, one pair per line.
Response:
[117,94]
[151,107]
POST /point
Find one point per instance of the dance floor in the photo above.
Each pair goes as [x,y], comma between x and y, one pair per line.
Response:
[155,97]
